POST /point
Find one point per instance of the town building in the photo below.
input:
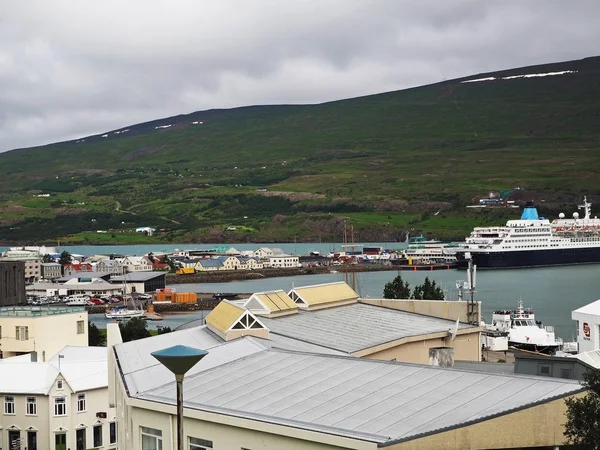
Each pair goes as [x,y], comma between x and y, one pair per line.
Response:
[112,266]
[283,261]
[566,366]
[249,263]
[248,394]
[140,282]
[322,315]
[588,326]
[41,329]
[265,252]
[75,268]
[51,271]
[95,287]
[12,283]
[136,264]
[33,270]
[59,404]
[218,263]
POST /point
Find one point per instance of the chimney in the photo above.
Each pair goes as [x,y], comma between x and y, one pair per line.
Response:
[33,356]
[441,356]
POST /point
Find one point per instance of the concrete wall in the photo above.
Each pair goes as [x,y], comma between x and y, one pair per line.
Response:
[466,348]
[450,310]
[538,426]
[47,334]
[12,283]
[557,367]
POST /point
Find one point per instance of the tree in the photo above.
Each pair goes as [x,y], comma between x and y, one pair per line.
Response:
[135,328]
[583,414]
[47,259]
[396,288]
[429,290]
[65,258]
[95,337]
[163,330]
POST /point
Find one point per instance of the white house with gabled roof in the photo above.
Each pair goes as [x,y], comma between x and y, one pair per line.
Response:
[57,405]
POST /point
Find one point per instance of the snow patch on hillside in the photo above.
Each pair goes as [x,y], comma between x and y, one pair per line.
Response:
[529,75]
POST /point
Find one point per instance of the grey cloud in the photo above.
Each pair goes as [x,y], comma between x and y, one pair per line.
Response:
[69,69]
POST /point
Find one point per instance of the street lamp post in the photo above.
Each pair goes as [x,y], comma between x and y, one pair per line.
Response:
[179,359]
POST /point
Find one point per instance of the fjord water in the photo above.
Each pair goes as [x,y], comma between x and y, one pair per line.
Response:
[552,292]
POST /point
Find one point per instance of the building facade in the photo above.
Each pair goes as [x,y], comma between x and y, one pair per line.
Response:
[588,326]
[51,271]
[57,405]
[33,268]
[283,261]
[41,329]
[12,283]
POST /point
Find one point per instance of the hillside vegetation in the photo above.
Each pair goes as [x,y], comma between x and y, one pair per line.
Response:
[386,163]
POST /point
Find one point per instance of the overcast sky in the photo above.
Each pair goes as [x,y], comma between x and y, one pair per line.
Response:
[74,68]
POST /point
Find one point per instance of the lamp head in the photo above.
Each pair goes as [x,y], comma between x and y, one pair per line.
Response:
[179,358]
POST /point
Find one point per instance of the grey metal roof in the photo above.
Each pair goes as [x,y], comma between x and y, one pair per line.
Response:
[287,343]
[365,399]
[355,327]
[142,372]
[83,275]
[137,276]
[211,262]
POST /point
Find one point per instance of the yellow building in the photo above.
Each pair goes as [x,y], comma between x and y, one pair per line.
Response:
[246,394]
[41,329]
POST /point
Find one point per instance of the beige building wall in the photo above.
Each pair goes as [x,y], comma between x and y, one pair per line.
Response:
[538,426]
[46,335]
[450,310]
[416,350]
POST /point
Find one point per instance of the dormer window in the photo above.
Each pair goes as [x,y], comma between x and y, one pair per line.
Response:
[59,384]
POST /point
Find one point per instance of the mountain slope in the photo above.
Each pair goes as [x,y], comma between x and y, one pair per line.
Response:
[404,150]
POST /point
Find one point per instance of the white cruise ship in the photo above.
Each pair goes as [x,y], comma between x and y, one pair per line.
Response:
[534,241]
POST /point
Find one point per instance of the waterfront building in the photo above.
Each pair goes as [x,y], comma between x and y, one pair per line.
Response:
[51,271]
[135,264]
[41,329]
[59,404]
[282,261]
[331,316]
[557,366]
[75,268]
[140,282]
[588,326]
[112,266]
[266,252]
[12,284]
[248,394]
[91,288]
[33,270]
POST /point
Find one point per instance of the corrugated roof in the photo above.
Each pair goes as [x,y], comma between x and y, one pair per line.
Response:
[142,372]
[275,301]
[591,308]
[592,358]
[224,315]
[138,276]
[27,377]
[355,327]
[324,293]
[211,262]
[364,399]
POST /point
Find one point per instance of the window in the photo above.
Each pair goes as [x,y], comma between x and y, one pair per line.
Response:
[200,444]
[545,370]
[59,384]
[80,402]
[22,333]
[98,435]
[31,408]
[112,433]
[80,327]
[80,439]
[151,439]
[60,406]
[9,404]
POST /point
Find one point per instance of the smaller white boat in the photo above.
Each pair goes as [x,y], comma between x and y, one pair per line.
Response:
[128,311]
[524,332]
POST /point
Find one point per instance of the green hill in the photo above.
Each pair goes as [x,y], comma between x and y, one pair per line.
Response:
[386,163]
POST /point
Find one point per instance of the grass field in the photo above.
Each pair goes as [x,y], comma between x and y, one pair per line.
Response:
[379,162]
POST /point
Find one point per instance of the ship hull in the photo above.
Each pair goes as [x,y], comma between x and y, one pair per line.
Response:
[530,258]
[546,350]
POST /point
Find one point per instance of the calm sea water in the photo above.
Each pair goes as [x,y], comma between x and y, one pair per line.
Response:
[552,292]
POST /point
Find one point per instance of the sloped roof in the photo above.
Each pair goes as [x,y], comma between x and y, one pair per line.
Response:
[274,301]
[591,358]
[224,315]
[142,372]
[211,262]
[376,401]
[355,327]
[138,276]
[83,368]
[324,293]
[591,308]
